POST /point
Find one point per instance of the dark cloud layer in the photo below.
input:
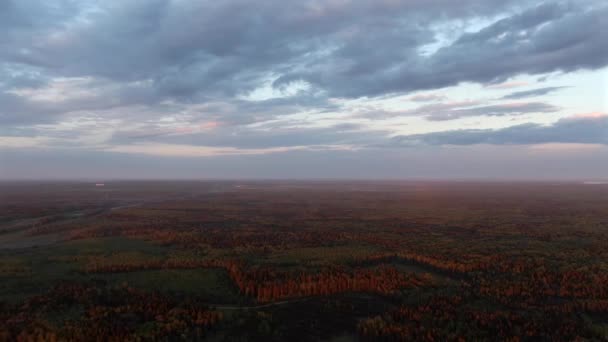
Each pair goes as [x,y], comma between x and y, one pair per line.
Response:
[550,37]
[191,51]
[584,130]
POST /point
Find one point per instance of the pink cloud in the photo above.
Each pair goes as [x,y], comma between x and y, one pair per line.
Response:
[507,85]
[592,115]
[209,125]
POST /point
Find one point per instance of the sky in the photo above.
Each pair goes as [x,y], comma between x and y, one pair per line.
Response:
[383,89]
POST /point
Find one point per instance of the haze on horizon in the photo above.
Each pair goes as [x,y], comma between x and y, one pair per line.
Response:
[388,89]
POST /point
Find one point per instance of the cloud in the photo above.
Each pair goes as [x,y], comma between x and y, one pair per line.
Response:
[174,150]
[556,36]
[445,111]
[515,108]
[427,98]
[506,85]
[573,130]
[532,93]
[189,51]
[21,142]
[281,76]
[592,115]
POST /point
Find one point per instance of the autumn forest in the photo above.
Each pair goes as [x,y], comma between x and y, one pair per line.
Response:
[295,260]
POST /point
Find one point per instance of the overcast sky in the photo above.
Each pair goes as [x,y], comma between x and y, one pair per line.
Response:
[303,89]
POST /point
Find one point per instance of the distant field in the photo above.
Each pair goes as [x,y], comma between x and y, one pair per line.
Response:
[329,261]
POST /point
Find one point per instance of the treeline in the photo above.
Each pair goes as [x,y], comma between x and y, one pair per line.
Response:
[266,284]
[521,282]
[527,280]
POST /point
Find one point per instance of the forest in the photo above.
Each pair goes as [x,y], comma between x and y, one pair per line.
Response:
[303,261]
